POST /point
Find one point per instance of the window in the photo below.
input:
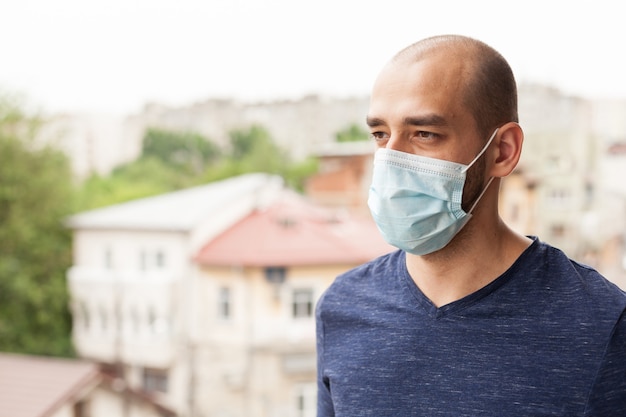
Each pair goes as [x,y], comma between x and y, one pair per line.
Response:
[305,400]
[83,315]
[557,230]
[156,323]
[559,197]
[159,259]
[224,303]
[81,409]
[151,260]
[302,305]
[275,274]
[104,319]
[108,258]
[155,380]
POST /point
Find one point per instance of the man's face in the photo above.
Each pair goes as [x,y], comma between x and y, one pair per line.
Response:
[418,108]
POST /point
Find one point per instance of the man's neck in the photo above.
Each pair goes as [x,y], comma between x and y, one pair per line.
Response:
[471,261]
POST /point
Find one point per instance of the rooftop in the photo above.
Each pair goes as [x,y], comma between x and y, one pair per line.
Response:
[34,386]
[175,211]
[293,231]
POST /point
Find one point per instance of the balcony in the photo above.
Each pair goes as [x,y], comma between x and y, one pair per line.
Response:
[127,316]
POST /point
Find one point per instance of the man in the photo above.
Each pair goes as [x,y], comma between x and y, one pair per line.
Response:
[467,318]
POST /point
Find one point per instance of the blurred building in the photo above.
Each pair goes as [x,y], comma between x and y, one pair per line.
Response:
[96,144]
[343,177]
[260,282]
[571,174]
[559,158]
[204,298]
[35,386]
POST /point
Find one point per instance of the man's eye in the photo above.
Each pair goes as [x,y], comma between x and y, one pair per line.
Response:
[378,136]
[426,135]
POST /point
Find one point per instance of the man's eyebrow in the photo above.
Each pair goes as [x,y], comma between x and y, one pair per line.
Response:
[374,121]
[427,120]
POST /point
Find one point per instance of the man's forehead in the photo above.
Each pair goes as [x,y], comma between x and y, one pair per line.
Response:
[418,100]
[436,70]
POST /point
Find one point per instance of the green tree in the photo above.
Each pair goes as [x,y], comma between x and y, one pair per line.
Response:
[188,150]
[172,161]
[142,178]
[296,174]
[352,133]
[35,197]
[251,141]
[253,150]
[169,161]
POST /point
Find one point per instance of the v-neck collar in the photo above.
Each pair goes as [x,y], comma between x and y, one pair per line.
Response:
[456,306]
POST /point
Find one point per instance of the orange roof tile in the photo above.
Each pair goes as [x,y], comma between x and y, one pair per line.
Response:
[293,231]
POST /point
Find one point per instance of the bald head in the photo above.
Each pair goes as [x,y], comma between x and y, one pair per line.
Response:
[452,45]
[484,80]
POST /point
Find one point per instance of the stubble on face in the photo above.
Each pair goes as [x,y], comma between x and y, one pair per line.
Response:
[474,183]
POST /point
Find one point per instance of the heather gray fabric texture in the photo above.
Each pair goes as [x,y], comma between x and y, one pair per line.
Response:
[547,338]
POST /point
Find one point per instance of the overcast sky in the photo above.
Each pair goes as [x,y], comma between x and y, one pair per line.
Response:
[113,56]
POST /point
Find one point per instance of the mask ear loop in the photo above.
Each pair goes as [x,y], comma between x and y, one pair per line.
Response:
[493,135]
[480,196]
[482,151]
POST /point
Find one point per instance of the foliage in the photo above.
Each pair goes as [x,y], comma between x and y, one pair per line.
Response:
[35,196]
[245,142]
[173,160]
[142,178]
[254,150]
[169,161]
[187,150]
[295,175]
[352,133]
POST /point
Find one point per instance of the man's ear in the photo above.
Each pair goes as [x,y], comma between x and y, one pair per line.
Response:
[507,149]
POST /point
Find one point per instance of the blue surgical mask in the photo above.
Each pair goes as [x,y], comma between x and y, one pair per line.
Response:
[416,201]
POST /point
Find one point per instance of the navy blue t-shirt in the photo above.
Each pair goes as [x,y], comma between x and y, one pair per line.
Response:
[547,338]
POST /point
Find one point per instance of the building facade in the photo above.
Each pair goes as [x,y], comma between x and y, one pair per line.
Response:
[204,298]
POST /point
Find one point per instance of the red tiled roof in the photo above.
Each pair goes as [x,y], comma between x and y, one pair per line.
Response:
[32,386]
[38,386]
[292,231]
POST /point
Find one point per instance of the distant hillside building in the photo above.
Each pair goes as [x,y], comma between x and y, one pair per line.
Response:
[99,143]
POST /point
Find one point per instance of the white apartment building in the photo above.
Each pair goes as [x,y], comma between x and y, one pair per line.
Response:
[204,298]
[131,275]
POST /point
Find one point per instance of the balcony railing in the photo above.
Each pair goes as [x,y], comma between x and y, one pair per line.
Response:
[128,316]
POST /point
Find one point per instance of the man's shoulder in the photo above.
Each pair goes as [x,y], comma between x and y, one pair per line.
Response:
[389,262]
[575,280]
[366,277]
